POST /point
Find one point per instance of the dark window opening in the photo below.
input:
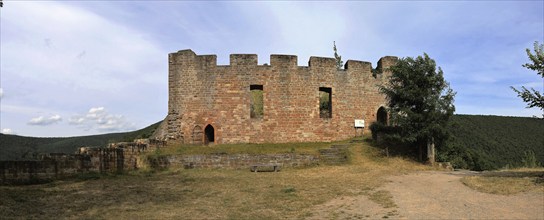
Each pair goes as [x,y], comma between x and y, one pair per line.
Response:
[325,102]
[381,116]
[256,101]
[209,135]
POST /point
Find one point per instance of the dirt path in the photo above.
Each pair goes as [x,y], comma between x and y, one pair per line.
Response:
[440,195]
[435,195]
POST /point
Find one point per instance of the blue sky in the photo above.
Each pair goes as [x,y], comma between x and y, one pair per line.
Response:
[89,67]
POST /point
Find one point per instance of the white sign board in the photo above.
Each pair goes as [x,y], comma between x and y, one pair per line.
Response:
[359,123]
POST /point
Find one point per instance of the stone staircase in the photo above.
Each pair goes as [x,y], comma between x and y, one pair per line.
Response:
[335,155]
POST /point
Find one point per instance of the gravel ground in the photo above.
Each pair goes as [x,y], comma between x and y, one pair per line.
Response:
[435,195]
[440,195]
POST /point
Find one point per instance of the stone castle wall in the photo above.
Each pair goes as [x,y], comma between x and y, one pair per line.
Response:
[129,156]
[203,94]
[118,157]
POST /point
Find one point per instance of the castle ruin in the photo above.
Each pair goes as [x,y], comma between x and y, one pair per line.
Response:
[282,102]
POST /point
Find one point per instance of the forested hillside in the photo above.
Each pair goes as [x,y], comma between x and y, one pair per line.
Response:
[492,142]
[14,147]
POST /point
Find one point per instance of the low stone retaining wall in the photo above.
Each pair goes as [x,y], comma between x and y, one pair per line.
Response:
[36,171]
[232,161]
[116,158]
[127,156]
[335,155]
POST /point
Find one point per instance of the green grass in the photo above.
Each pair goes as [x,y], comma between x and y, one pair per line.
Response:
[209,193]
[507,182]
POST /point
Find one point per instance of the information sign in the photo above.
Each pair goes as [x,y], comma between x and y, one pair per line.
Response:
[359,123]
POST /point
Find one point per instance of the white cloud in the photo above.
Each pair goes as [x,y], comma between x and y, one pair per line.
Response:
[98,119]
[58,56]
[75,45]
[7,131]
[96,113]
[113,123]
[296,23]
[76,120]
[1,93]
[42,120]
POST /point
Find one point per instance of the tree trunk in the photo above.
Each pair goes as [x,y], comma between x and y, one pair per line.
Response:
[431,151]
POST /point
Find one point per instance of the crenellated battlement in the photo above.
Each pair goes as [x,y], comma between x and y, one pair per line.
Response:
[217,103]
[188,57]
[281,60]
[322,62]
[358,65]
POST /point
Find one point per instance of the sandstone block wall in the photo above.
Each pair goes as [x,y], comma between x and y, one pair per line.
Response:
[126,156]
[335,155]
[116,158]
[233,161]
[211,103]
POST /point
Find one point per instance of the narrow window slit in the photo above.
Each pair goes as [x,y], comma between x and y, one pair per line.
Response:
[256,101]
[325,102]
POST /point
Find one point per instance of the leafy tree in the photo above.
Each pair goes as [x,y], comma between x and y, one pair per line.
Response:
[532,97]
[420,104]
[339,62]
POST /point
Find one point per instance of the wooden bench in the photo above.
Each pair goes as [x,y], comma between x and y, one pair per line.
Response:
[270,167]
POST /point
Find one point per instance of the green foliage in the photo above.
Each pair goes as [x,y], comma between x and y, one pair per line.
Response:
[529,160]
[537,59]
[420,102]
[13,147]
[491,142]
[157,152]
[289,190]
[389,134]
[532,97]
[339,62]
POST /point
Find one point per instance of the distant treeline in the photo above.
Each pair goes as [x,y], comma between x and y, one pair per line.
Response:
[14,147]
[492,142]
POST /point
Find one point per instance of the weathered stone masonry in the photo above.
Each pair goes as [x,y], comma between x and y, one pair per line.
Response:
[127,156]
[211,103]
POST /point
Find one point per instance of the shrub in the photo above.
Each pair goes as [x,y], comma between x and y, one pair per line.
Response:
[529,160]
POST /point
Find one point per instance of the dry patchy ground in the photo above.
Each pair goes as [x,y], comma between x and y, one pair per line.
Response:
[372,186]
[441,195]
[436,195]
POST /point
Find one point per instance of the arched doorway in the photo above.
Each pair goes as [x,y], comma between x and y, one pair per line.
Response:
[209,135]
[381,116]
